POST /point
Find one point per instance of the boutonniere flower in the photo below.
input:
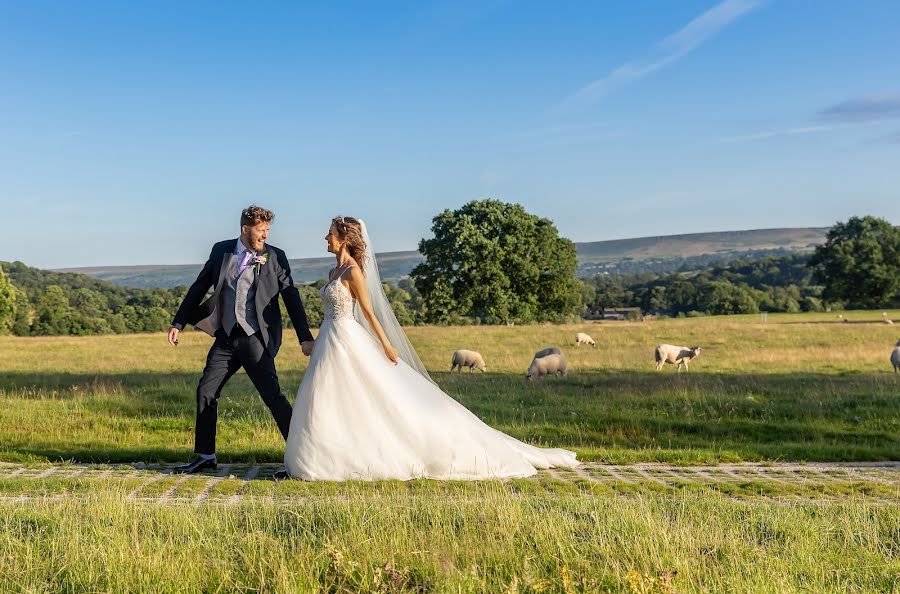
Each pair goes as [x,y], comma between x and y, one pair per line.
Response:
[259,261]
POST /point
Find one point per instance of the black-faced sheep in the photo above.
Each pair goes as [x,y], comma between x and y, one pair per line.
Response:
[546,365]
[471,359]
[582,338]
[678,355]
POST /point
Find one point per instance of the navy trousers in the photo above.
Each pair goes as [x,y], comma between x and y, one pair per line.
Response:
[228,354]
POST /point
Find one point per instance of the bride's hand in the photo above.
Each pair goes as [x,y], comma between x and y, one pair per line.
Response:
[391,353]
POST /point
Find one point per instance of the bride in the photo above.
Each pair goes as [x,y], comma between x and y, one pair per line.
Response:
[367,408]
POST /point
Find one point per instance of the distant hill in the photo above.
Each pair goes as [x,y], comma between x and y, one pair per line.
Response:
[696,244]
[668,253]
[644,254]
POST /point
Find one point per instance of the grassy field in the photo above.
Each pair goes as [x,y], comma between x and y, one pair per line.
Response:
[488,541]
[798,387]
[793,388]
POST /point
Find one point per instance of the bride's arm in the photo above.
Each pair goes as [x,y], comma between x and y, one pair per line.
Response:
[358,286]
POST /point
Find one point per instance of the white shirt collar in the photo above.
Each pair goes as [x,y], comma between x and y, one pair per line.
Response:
[239,248]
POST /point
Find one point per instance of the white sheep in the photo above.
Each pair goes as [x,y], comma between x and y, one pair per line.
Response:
[678,355]
[582,338]
[895,357]
[548,351]
[886,319]
[471,359]
[546,365]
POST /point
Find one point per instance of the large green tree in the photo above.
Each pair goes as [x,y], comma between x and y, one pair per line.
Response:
[54,312]
[7,304]
[723,297]
[400,302]
[22,321]
[859,263]
[497,263]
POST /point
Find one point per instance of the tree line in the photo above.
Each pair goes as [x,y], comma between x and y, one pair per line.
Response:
[492,262]
[41,302]
[771,284]
[857,267]
[35,302]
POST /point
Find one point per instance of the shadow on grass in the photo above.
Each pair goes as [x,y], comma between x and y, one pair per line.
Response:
[606,415]
[835,322]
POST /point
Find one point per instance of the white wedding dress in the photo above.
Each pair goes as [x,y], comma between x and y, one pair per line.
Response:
[359,417]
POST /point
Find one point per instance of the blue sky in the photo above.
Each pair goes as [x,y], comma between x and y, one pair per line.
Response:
[134,132]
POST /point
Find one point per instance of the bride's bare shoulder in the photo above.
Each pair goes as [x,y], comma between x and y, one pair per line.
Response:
[355,271]
[356,279]
[341,273]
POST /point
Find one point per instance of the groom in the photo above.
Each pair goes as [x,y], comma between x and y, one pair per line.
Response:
[244,316]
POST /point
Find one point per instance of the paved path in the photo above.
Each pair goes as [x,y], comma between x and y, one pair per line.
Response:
[234,483]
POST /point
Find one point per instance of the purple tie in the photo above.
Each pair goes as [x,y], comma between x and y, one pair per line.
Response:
[245,261]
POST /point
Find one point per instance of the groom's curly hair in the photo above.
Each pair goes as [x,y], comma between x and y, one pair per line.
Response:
[349,230]
[254,214]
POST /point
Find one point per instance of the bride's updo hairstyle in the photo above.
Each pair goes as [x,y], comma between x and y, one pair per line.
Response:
[349,230]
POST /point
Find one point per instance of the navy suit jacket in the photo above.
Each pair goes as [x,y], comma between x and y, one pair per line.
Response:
[272,280]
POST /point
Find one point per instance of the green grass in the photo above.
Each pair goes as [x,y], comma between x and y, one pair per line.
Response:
[799,387]
[492,542]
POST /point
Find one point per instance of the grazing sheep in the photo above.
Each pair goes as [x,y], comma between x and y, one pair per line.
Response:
[582,338]
[546,365]
[886,319]
[548,351]
[679,355]
[471,359]
[895,357]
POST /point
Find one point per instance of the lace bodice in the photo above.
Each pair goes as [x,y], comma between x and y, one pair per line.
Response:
[338,300]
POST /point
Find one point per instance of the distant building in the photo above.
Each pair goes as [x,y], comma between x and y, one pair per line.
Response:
[622,313]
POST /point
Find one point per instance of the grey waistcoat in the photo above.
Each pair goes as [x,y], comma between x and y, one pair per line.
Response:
[238,299]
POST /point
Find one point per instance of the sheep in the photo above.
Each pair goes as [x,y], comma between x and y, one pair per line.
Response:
[546,365]
[582,338]
[548,351]
[895,357]
[471,359]
[679,355]
[886,319]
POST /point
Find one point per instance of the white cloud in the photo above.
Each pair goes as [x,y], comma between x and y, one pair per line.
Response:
[796,131]
[667,51]
[858,112]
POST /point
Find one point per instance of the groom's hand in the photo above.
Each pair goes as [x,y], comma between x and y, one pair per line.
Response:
[173,336]
[307,347]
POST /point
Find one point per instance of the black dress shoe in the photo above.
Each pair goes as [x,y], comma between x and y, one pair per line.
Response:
[195,466]
[281,475]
